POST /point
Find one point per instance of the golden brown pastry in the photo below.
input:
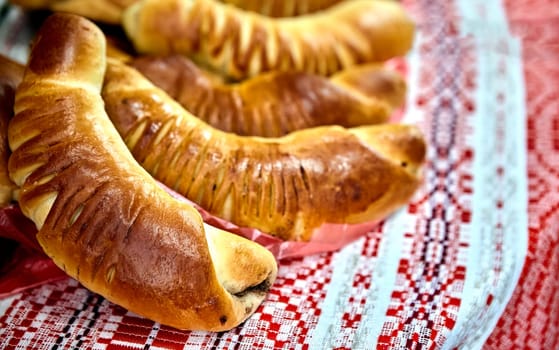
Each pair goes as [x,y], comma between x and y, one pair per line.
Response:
[241,44]
[100,216]
[108,11]
[277,103]
[11,73]
[283,186]
[282,8]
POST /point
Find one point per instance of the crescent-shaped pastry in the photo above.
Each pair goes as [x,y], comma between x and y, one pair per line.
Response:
[277,103]
[282,8]
[240,43]
[10,76]
[107,11]
[100,216]
[283,186]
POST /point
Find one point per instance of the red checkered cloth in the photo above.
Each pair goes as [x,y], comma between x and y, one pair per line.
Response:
[438,274]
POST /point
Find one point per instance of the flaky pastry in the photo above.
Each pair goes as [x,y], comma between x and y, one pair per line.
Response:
[284,186]
[240,44]
[100,216]
[277,103]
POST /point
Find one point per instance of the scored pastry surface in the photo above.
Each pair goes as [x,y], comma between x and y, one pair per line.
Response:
[100,216]
[277,103]
[241,44]
[284,186]
[11,73]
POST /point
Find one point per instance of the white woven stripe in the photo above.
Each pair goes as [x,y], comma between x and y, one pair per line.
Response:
[329,323]
[5,303]
[482,15]
[378,298]
[515,241]
[512,189]
[390,250]
[486,21]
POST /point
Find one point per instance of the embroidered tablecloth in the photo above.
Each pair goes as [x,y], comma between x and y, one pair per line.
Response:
[470,263]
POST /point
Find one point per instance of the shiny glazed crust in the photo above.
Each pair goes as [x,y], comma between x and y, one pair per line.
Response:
[100,216]
[283,186]
[277,103]
[240,44]
[108,11]
[282,8]
[10,76]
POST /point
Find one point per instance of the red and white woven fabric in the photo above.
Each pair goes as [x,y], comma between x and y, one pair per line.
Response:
[531,320]
[470,263]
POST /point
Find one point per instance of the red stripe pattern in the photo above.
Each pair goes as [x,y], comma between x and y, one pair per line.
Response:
[531,320]
[430,279]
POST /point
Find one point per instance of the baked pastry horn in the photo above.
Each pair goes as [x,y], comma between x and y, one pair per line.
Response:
[107,11]
[11,73]
[285,186]
[240,44]
[100,216]
[282,8]
[276,103]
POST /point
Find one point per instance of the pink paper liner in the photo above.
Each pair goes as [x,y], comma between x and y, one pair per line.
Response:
[328,237]
[30,267]
[27,266]
[27,269]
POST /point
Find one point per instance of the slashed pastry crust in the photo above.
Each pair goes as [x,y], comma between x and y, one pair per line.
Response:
[284,186]
[11,73]
[277,103]
[240,44]
[100,216]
